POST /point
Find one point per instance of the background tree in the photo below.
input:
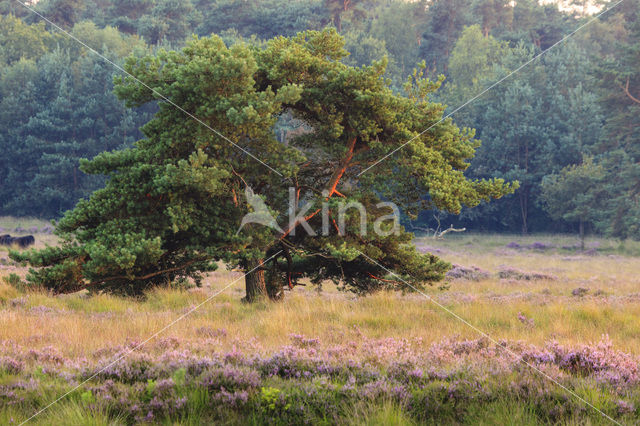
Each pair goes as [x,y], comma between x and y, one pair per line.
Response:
[57,109]
[19,40]
[539,122]
[619,147]
[13,8]
[474,63]
[263,18]
[493,14]
[364,49]
[351,11]
[393,25]
[126,14]
[170,20]
[445,21]
[574,193]
[64,13]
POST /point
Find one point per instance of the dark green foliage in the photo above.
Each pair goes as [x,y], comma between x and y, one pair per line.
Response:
[58,107]
[619,149]
[540,120]
[445,21]
[169,20]
[64,13]
[264,18]
[575,194]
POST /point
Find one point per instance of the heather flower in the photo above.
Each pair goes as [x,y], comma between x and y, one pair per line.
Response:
[302,342]
[376,389]
[579,292]
[309,377]
[11,365]
[624,407]
[47,229]
[41,310]
[526,321]
[168,343]
[233,399]
[211,332]
[47,354]
[539,246]
[472,273]
[230,378]
[234,357]
[131,369]
[507,272]
[18,302]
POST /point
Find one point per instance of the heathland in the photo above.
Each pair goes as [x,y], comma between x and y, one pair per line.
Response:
[561,326]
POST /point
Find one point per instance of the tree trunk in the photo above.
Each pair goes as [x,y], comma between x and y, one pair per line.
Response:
[581,235]
[259,284]
[524,211]
[255,284]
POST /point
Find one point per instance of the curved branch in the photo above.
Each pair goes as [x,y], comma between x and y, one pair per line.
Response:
[332,184]
[146,277]
[629,95]
[384,280]
[446,231]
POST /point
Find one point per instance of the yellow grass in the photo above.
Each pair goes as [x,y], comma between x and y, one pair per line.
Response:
[9,223]
[79,325]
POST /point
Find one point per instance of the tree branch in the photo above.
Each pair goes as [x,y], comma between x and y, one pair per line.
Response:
[332,184]
[146,277]
[446,231]
[626,91]
[384,280]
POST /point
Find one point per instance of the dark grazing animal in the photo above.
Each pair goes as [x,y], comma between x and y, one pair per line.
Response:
[22,242]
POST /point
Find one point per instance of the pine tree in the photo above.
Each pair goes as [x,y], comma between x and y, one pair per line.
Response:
[620,145]
[172,204]
[575,193]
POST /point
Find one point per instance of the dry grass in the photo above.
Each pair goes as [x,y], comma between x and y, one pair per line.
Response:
[9,223]
[79,325]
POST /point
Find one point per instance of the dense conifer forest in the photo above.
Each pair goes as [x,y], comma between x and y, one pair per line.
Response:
[569,113]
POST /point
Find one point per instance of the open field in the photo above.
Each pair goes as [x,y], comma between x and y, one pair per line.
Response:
[333,357]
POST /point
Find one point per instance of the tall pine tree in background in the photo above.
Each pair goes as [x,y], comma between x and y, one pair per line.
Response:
[620,146]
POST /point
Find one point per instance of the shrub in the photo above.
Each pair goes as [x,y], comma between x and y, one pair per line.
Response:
[471,273]
[516,274]
[15,281]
